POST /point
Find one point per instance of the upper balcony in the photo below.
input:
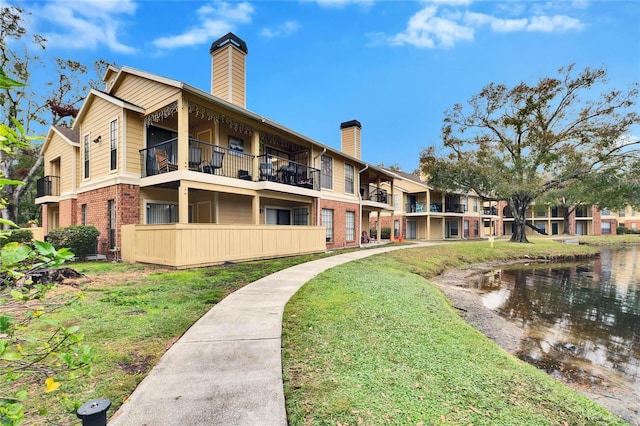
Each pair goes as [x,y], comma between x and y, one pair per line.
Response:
[217,160]
[48,189]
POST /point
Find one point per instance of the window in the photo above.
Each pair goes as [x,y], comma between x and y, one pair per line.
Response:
[465,228]
[300,216]
[113,138]
[278,216]
[326,172]
[396,228]
[348,178]
[162,213]
[86,156]
[327,222]
[605,227]
[83,208]
[351,226]
[476,228]
[621,213]
[112,224]
[475,205]
[236,144]
[606,212]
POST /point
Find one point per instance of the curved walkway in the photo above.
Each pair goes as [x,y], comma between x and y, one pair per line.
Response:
[227,369]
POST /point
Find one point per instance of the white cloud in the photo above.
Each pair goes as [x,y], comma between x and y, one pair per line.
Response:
[426,30]
[216,19]
[557,23]
[283,30]
[496,24]
[338,4]
[86,24]
[444,23]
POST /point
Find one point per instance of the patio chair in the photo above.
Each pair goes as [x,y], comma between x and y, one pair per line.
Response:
[163,162]
[215,164]
[267,172]
[195,157]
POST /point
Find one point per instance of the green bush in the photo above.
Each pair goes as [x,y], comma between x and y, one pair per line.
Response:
[385,233]
[18,236]
[81,240]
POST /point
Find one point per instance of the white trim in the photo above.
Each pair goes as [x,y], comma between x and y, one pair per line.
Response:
[118,137]
[96,93]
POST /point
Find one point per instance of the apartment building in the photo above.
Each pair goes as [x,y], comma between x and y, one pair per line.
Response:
[174,175]
[423,212]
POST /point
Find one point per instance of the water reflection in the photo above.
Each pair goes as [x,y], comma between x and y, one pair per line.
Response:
[582,321]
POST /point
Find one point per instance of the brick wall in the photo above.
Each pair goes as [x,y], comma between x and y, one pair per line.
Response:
[340,209]
[127,204]
[67,213]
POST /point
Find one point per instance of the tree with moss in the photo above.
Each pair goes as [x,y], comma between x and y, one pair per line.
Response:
[518,144]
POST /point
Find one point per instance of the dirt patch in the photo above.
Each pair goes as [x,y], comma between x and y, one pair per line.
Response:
[600,387]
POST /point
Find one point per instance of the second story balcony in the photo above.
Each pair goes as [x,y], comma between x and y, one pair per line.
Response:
[48,186]
[490,211]
[228,162]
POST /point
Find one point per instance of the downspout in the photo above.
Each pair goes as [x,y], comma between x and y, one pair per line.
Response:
[318,206]
[360,203]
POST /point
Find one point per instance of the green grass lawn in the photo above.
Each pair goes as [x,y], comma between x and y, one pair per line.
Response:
[374,342]
[374,327]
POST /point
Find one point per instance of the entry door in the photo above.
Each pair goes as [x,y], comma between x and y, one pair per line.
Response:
[580,228]
[452,229]
[554,229]
[411,230]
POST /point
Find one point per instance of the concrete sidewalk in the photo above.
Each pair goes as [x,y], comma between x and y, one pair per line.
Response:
[226,369]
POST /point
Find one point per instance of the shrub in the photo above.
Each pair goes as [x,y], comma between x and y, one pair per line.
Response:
[18,236]
[385,233]
[81,240]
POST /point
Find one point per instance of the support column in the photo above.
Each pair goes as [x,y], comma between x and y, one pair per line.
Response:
[183,134]
[428,237]
[378,226]
[216,208]
[255,209]
[255,150]
[183,204]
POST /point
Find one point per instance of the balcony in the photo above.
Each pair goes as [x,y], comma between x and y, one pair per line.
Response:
[455,208]
[221,161]
[48,186]
[374,193]
[415,207]
[490,211]
[282,170]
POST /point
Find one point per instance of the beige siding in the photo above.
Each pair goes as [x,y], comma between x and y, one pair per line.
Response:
[238,82]
[59,162]
[220,83]
[145,93]
[183,246]
[135,142]
[234,209]
[96,124]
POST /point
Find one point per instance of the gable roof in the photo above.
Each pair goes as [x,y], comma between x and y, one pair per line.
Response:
[107,97]
[70,136]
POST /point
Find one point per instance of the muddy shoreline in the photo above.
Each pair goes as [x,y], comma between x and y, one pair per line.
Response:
[467,301]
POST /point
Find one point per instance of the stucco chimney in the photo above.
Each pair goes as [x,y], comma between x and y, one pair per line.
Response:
[350,138]
[228,69]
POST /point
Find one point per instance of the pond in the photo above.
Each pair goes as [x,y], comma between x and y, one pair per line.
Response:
[581,320]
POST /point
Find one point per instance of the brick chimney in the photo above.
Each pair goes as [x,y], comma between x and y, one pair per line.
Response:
[228,69]
[350,138]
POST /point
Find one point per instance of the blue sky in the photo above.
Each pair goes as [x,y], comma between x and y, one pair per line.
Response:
[395,66]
